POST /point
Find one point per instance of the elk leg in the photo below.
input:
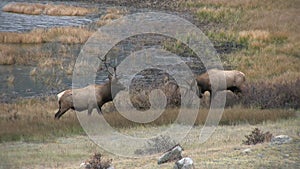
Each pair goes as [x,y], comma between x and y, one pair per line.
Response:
[60,113]
[99,110]
[90,109]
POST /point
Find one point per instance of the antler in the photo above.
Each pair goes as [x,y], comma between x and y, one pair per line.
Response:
[107,65]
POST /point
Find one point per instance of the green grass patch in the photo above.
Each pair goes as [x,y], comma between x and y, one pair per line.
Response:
[218,15]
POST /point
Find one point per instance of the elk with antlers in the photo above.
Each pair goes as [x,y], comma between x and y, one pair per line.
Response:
[89,97]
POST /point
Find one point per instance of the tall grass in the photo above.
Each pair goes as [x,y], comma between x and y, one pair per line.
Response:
[17,54]
[110,15]
[33,119]
[47,9]
[57,34]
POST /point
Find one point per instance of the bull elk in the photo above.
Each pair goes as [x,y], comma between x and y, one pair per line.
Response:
[88,98]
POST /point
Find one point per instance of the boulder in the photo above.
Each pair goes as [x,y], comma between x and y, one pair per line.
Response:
[184,163]
[172,154]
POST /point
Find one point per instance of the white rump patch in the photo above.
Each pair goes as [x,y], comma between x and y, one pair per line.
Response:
[60,94]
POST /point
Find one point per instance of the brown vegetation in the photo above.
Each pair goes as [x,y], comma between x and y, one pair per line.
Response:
[257,136]
[111,14]
[47,9]
[266,95]
[97,162]
[33,119]
[57,34]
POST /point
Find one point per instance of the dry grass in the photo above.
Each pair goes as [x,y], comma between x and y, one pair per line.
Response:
[268,31]
[17,54]
[230,117]
[33,119]
[58,34]
[223,149]
[47,9]
[218,15]
[265,66]
[111,14]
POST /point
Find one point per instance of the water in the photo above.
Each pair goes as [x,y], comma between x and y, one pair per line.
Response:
[25,85]
[12,22]
[28,86]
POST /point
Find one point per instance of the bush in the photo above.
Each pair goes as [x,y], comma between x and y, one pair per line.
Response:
[97,162]
[267,95]
[257,136]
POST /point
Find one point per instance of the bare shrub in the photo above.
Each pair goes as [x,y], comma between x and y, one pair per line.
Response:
[272,94]
[97,162]
[257,136]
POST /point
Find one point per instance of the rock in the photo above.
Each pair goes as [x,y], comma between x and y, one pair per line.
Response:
[286,155]
[86,165]
[172,154]
[260,155]
[246,151]
[281,139]
[82,165]
[184,163]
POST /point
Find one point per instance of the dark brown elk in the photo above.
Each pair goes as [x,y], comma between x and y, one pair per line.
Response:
[87,98]
[234,80]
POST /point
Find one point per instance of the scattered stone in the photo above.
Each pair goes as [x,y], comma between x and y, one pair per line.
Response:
[171,155]
[184,163]
[281,139]
[247,151]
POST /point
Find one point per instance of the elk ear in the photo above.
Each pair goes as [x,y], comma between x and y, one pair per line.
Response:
[110,77]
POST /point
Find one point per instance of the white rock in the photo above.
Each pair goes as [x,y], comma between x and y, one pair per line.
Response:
[281,139]
[247,151]
[173,154]
[82,165]
[184,163]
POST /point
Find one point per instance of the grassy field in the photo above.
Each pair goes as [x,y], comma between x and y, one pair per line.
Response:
[268,33]
[33,119]
[30,137]
[223,149]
